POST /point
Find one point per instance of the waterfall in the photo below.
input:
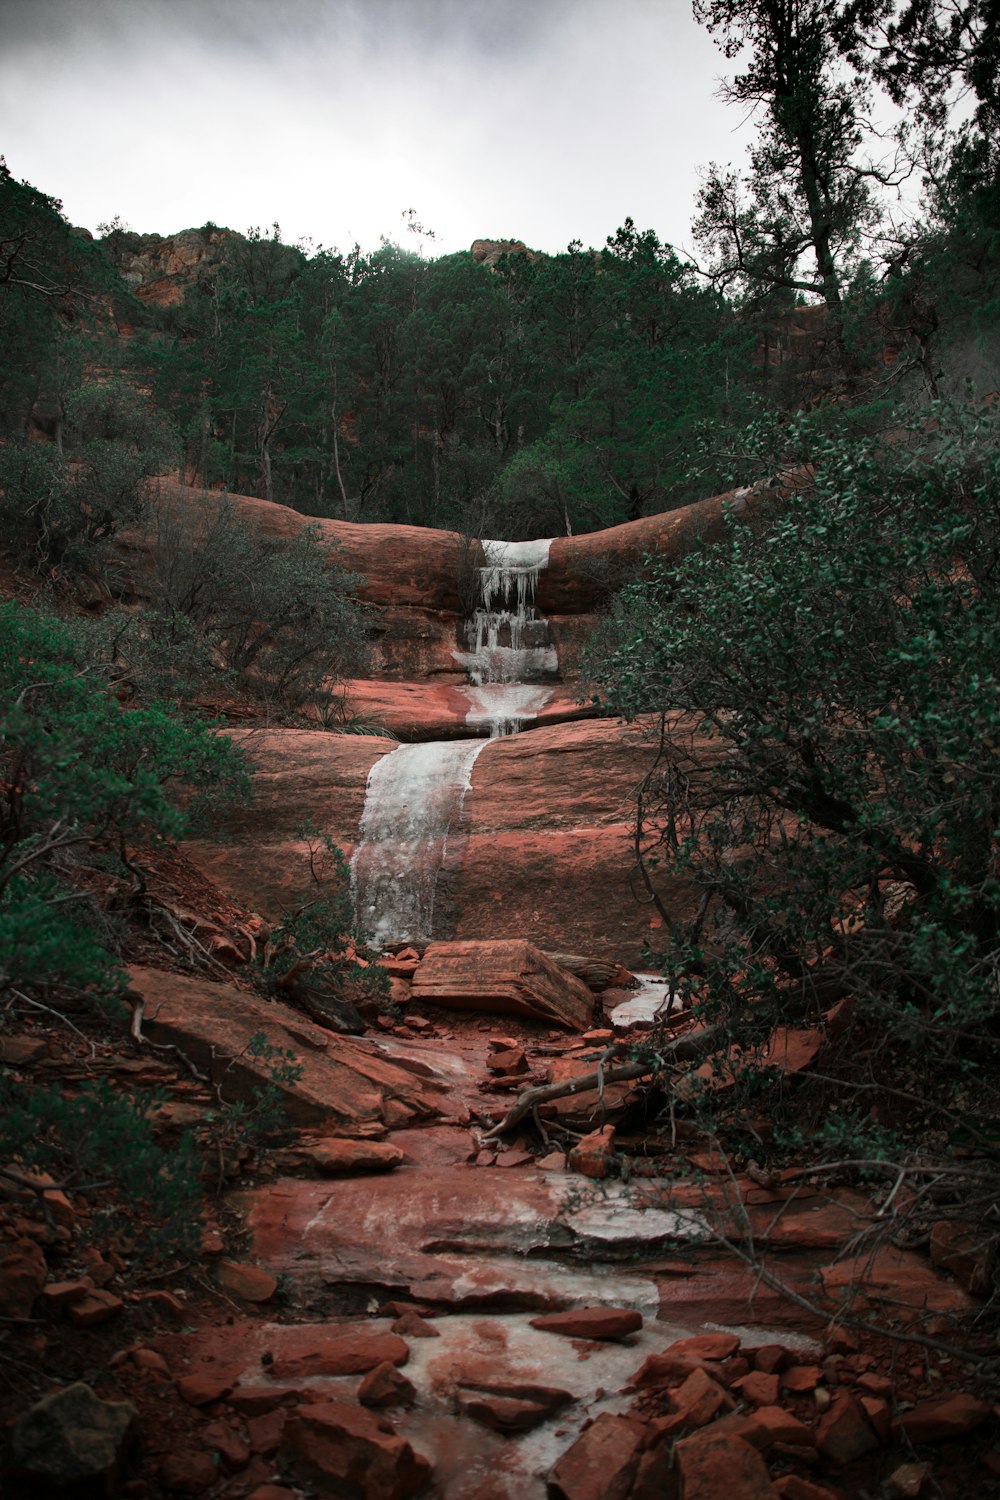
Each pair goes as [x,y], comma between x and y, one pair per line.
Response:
[509,643]
[413,806]
[410,827]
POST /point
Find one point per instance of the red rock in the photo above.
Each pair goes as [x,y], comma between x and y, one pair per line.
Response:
[949,1415]
[707,1346]
[261,1400]
[249,1283]
[508,1064]
[188,1473]
[591,1322]
[665,1369]
[22,1277]
[801,1378]
[203,1390]
[165,1303]
[341,1443]
[22,1051]
[602,1463]
[264,1433]
[343,1078]
[794,1487]
[231,1448]
[508,1159]
[594,1155]
[874,1385]
[337,1157]
[507,1414]
[272,1492]
[61,1293]
[96,1307]
[342,1353]
[879,1416]
[151,1361]
[743,1425]
[758,1388]
[904,1278]
[842,1434]
[711,1468]
[552,1161]
[699,1399]
[770,1358]
[507,976]
[411,1325]
[840,1340]
[386,1386]
[779,1426]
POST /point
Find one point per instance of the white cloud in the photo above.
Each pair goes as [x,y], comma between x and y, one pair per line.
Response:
[547,119]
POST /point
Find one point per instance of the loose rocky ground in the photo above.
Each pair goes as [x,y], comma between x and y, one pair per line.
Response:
[402,1300]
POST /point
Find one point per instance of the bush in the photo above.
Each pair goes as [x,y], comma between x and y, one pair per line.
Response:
[100,1143]
[79,773]
[274,613]
[827,775]
[62,513]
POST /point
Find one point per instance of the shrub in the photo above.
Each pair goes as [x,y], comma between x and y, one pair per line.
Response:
[62,513]
[827,773]
[275,613]
[79,772]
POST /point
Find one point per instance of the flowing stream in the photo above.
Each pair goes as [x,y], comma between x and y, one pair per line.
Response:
[410,831]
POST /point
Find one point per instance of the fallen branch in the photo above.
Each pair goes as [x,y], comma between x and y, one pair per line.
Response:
[688,1048]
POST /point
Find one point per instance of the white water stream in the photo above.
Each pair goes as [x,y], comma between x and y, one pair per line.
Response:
[415,794]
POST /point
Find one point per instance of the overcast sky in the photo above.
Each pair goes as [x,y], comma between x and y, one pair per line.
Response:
[545,120]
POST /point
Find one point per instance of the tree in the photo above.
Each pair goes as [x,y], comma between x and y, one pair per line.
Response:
[806,196]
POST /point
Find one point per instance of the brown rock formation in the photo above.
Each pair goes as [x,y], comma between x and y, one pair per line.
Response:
[342,1078]
[510,977]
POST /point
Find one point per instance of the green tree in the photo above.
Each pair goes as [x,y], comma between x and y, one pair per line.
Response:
[807,196]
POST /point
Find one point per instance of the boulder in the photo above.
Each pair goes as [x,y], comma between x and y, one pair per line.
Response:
[950,1415]
[343,1078]
[386,1386]
[72,1439]
[843,1434]
[591,1322]
[602,1463]
[593,1155]
[510,977]
[341,1445]
[714,1466]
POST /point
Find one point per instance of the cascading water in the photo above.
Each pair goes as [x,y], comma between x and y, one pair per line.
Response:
[415,794]
[510,650]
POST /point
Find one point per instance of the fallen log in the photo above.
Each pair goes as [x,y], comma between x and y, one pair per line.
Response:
[691,1047]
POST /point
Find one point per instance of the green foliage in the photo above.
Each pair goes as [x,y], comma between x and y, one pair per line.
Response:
[315,948]
[99,1143]
[828,775]
[237,1126]
[62,511]
[77,771]
[273,614]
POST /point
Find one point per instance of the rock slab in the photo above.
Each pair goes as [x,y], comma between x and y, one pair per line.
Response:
[510,977]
